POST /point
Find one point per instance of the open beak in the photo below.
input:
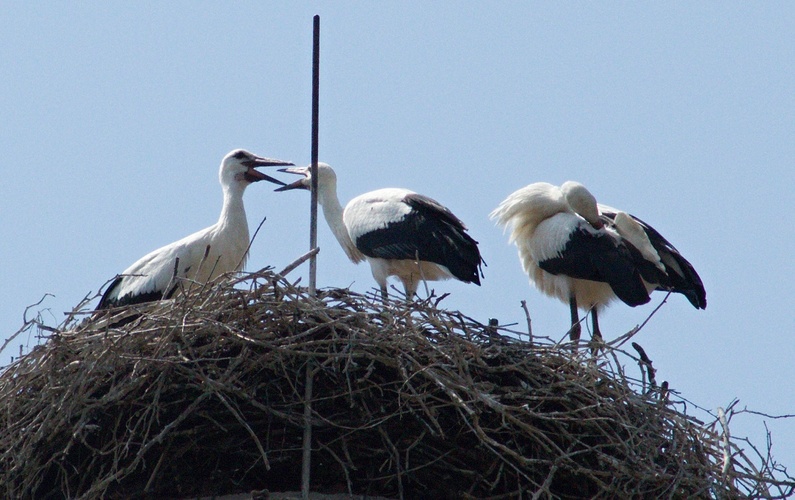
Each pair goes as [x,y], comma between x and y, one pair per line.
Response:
[303,183]
[253,175]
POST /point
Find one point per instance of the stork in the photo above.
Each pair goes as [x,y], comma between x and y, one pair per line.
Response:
[201,256]
[399,232]
[588,254]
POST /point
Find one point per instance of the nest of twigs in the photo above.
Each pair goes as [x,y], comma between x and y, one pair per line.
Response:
[206,394]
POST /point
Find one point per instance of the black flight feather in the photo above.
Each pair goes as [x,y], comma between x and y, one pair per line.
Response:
[680,276]
[596,256]
[429,232]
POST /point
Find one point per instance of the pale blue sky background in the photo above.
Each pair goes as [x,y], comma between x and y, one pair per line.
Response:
[114,117]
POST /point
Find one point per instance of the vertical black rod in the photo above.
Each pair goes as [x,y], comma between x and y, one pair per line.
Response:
[307,444]
[315,114]
[306,459]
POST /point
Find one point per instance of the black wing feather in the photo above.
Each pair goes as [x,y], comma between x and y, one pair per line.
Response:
[598,257]
[431,233]
[107,301]
[680,275]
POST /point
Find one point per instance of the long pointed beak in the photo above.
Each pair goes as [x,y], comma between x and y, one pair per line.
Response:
[253,175]
[266,162]
[302,183]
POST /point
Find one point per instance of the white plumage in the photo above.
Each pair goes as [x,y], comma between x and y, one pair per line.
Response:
[588,254]
[204,255]
[399,232]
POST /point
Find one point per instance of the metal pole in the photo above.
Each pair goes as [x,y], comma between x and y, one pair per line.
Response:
[315,103]
[306,458]
[307,444]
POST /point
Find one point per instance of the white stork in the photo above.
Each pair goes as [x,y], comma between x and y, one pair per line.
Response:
[204,255]
[588,254]
[399,232]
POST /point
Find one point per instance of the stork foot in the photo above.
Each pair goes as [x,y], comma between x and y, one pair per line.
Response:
[596,344]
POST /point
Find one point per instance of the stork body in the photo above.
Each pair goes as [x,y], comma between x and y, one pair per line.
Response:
[588,254]
[399,232]
[201,256]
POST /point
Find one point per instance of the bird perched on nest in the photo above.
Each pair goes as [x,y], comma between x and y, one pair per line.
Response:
[399,232]
[204,255]
[588,254]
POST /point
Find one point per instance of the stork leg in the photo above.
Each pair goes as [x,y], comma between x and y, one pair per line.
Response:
[384,296]
[596,336]
[410,287]
[576,330]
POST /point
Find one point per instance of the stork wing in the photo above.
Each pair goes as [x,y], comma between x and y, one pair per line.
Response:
[427,232]
[597,256]
[152,277]
[681,276]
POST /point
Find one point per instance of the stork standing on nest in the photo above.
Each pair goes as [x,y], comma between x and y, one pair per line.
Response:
[204,255]
[589,254]
[399,232]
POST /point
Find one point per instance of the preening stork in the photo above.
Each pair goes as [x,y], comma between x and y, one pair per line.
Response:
[204,255]
[399,232]
[588,254]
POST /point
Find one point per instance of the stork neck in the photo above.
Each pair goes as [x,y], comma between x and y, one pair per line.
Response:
[333,211]
[233,211]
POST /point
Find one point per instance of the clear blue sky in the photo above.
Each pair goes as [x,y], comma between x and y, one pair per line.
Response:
[114,117]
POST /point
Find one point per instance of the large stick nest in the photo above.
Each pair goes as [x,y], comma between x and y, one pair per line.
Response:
[205,395]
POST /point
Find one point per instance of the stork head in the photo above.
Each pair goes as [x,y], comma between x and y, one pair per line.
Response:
[582,202]
[326,178]
[238,168]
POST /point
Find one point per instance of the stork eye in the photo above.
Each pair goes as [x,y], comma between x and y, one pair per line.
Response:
[240,155]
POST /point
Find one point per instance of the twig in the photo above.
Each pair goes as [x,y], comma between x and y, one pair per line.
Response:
[726,440]
[645,362]
[422,274]
[297,262]
[619,341]
[26,322]
[529,322]
[250,242]
[766,415]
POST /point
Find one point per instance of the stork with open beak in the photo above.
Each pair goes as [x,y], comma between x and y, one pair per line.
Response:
[201,256]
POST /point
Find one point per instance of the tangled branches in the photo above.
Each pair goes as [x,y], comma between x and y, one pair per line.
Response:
[203,395]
